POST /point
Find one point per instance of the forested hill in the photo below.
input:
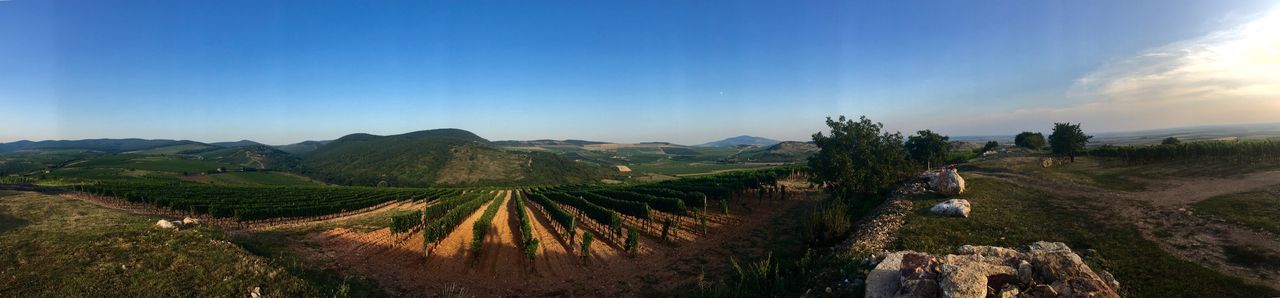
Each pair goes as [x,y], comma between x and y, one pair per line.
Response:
[437,157]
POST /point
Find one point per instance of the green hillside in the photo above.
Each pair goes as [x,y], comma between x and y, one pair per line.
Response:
[782,152]
[437,157]
[256,156]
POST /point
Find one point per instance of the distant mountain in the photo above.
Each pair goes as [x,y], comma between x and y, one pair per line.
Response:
[240,143]
[437,157]
[742,140]
[788,151]
[302,148]
[104,145]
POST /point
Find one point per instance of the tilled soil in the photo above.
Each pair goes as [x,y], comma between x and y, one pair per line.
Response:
[502,268]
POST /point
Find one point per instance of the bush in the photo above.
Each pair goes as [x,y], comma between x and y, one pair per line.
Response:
[633,240]
[587,238]
[828,223]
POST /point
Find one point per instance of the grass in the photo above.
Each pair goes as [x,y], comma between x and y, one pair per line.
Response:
[1007,215]
[65,247]
[1251,257]
[1259,210]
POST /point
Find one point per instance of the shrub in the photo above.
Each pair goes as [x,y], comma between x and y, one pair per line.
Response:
[633,240]
[587,238]
[828,223]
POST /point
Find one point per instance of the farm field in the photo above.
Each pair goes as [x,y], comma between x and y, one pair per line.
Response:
[409,240]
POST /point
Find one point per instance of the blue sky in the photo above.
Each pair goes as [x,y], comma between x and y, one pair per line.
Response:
[681,71]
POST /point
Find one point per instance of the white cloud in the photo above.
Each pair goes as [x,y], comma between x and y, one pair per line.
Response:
[1229,76]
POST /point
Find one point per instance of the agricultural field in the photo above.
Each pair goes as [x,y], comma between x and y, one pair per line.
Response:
[543,240]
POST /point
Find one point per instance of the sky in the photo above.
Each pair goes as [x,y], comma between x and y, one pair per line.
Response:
[682,71]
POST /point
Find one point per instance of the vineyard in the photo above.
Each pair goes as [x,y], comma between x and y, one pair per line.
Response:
[507,233]
[1229,151]
[246,203]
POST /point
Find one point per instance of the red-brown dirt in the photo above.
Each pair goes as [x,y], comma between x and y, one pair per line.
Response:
[502,268]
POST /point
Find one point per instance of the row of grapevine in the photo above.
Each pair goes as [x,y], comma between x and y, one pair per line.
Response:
[1236,151]
[481,226]
[692,199]
[599,214]
[664,204]
[405,222]
[436,230]
[629,208]
[527,241]
[254,202]
[562,218]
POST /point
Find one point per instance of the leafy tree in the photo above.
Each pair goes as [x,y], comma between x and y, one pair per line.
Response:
[1170,141]
[1067,139]
[990,146]
[857,159]
[927,147]
[1031,140]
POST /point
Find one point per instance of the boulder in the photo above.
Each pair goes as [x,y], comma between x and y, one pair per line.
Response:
[1045,269]
[952,207]
[190,221]
[164,224]
[946,181]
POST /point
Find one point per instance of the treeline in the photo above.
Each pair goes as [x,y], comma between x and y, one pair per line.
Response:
[255,202]
[1231,151]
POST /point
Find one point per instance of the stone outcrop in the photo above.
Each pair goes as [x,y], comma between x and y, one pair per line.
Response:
[946,181]
[190,221]
[165,224]
[952,207]
[1045,269]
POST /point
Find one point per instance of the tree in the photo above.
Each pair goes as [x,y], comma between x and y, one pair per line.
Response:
[1030,140]
[927,147]
[857,159]
[1067,139]
[990,146]
[1170,141]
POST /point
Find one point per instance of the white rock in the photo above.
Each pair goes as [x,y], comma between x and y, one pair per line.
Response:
[190,221]
[947,182]
[166,224]
[952,207]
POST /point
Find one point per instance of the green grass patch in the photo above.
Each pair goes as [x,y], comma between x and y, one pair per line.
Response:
[1006,215]
[69,248]
[1259,210]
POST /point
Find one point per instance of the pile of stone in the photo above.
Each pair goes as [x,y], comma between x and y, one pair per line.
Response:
[175,224]
[1045,269]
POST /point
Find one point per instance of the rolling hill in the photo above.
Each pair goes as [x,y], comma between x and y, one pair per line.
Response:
[788,151]
[302,148]
[103,145]
[743,140]
[437,157]
[240,143]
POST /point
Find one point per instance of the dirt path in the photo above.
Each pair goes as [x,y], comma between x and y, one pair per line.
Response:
[451,255]
[500,257]
[1162,215]
[1183,192]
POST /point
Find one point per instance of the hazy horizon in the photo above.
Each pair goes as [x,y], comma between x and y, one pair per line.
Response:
[687,73]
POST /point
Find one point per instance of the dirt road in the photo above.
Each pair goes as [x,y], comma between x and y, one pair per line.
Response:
[1162,214]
